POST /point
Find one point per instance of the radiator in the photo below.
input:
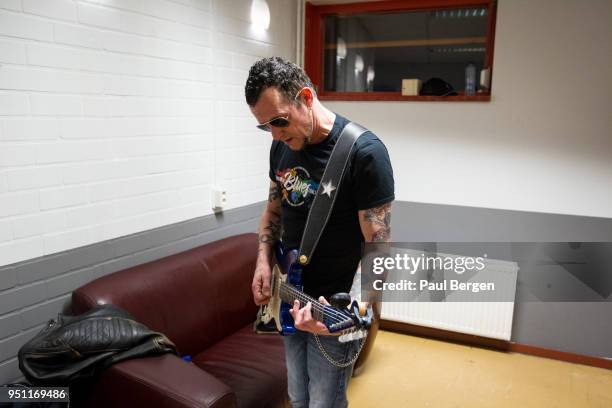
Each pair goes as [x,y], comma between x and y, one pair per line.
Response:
[487,319]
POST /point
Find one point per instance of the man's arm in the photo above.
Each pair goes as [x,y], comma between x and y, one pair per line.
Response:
[269,232]
[375,226]
[375,223]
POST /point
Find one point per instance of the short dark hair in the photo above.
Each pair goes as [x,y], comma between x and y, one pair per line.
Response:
[286,76]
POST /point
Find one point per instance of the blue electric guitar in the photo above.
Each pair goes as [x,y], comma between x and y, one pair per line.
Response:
[286,287]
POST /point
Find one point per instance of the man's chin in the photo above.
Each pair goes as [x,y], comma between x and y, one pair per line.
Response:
[294,144]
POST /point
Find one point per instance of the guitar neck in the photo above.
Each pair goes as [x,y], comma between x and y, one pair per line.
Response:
[334,319]
[289,293]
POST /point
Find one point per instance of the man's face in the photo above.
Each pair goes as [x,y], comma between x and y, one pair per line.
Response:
[271,105]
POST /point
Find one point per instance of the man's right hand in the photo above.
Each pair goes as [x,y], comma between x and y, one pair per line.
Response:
[261,283]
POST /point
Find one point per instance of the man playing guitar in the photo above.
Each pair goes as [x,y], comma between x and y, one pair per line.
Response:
[282,99]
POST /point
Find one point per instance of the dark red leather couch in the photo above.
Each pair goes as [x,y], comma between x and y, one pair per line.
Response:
[201,299]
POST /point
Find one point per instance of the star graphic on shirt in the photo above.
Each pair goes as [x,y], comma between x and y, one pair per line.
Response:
[327,188]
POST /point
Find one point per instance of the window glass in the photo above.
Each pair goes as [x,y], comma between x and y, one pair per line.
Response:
[374,52]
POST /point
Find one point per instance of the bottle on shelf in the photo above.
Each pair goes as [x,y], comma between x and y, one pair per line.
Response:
[470,80]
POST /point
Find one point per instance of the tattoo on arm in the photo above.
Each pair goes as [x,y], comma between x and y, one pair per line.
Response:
[272,231]
[274,193]
[381,235]
[380,218]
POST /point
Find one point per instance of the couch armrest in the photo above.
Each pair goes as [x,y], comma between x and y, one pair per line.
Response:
[161,381]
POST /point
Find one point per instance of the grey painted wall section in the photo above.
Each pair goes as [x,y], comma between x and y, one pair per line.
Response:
[34,291]
[583,328]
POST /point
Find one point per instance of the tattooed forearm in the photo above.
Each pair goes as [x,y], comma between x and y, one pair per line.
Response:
[270,228]
[270,233]
[378,223]
[270,225]
[274,193]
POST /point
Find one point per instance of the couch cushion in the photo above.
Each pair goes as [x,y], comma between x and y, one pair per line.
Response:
[196,297]
[253,365]
[231,263]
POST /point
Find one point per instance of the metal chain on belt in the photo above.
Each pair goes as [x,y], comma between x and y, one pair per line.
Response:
[336,363]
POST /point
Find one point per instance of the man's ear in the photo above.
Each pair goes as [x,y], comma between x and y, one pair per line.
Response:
[307,96]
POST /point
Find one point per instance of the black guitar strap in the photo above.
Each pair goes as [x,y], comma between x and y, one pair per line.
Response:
[328,190]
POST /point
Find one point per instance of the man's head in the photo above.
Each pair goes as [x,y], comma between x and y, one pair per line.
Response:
[280,96]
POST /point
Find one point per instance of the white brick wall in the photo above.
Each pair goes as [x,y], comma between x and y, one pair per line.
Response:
[118,117]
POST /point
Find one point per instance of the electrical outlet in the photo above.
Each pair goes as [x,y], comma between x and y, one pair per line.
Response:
[219,199]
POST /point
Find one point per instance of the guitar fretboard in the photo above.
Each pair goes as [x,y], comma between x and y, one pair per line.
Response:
[289,293]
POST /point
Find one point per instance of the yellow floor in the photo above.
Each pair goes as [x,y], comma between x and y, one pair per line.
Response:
[408,371]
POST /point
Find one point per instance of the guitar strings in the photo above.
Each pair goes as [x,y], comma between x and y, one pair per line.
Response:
[306,298]
[322,314]
[334,315]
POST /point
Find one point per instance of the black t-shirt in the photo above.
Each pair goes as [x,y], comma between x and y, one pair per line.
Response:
[367,183]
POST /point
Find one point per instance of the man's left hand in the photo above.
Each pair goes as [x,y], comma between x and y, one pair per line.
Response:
[304,321]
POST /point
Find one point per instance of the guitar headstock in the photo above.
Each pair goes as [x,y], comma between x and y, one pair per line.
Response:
[352,322]
[363,323]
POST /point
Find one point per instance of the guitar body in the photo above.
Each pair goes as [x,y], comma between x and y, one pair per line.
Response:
[286,286]
[286,270]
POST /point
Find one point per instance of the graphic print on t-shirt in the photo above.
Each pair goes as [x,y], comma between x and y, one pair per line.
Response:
[297,186]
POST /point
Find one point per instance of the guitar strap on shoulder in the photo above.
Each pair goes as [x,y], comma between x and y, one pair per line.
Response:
[327,192]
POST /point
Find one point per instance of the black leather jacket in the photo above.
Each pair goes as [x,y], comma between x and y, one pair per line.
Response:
[78,347]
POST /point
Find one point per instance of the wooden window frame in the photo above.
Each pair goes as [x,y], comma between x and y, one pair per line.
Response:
[314,34]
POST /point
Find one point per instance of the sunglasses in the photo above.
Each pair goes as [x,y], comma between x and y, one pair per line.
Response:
[279,122]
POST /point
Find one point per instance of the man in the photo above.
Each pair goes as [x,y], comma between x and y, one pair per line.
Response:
[304,132]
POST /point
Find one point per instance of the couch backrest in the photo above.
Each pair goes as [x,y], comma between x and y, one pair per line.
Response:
[196,297]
